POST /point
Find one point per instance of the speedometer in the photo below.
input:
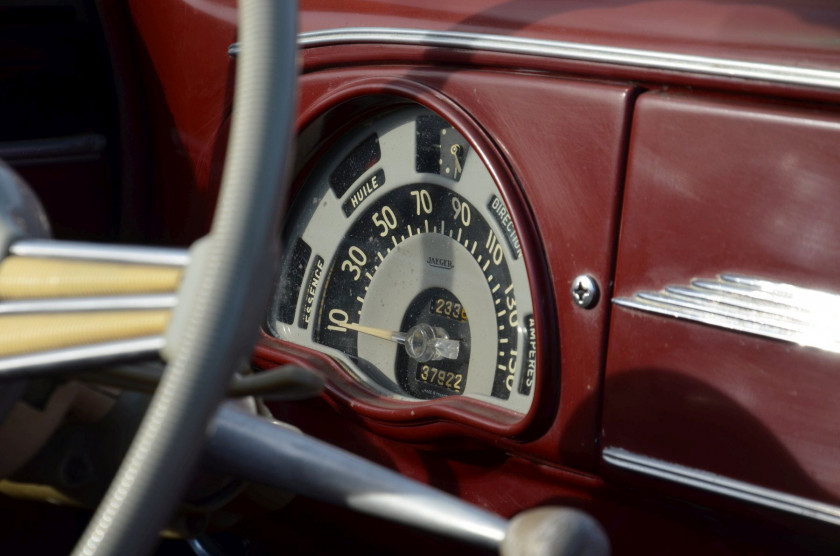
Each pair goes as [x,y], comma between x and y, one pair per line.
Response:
[403,264]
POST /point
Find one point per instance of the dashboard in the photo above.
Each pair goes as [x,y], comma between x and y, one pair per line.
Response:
[542,252]
[668,196]
[677,195]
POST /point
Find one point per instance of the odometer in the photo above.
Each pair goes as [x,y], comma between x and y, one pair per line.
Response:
[415,280]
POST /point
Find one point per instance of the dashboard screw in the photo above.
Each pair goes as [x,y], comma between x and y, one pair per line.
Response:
[585,291]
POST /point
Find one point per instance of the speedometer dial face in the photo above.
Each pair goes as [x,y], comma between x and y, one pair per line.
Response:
[403,264]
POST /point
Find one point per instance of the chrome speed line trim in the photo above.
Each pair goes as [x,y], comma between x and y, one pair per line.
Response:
[722,485]
[98,252]
[84,304]
[31,365]
[650,59]
[753,305]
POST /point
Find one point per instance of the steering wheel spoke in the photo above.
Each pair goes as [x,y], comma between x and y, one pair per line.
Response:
[72,359]
[67,305]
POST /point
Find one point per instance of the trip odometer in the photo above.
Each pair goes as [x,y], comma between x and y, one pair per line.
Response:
[403,264]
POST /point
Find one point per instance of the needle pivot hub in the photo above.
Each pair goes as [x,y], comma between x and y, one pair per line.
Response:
[424,342]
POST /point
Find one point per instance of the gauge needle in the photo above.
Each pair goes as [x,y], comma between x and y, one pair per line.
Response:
[398,337]
[422,341]
[455,149]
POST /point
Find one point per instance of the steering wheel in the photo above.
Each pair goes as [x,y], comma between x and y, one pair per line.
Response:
[222,296]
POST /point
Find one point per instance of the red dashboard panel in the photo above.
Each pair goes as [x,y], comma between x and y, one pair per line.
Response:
[722,185]
[570,158]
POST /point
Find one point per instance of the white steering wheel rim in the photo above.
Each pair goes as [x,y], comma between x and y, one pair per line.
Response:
[224,312]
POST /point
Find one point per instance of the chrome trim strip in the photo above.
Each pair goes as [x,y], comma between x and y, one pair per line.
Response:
[77,250]
[752,305]
[665,61]
[31,365]
[85,304]
[718,484]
